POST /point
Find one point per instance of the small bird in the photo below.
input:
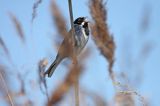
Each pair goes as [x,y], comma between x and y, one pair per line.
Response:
[81,36]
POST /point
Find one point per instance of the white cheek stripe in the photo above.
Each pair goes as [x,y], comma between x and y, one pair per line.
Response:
[85,36]
[83,23]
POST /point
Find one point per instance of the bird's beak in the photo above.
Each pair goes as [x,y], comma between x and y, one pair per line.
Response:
[86,20]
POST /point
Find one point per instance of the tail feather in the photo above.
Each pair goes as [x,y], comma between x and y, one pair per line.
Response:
[52,68]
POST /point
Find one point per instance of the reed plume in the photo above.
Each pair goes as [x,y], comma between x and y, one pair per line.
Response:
[35,6]
[4,47]
[100,32]
[18,27]
[58,18]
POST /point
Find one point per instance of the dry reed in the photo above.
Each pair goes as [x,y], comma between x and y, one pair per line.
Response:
[42,81]
[63,88]
[18,27]
[60,22]
[22,90]
[76,84]
[3,45]
[104,41]
[100,32]
[124,99]
[146,18]
[35,6]
[5,87]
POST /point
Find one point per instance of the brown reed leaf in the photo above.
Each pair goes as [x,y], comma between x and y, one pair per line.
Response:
[18,27]
[35,6]
[2,44]
[58,19]
[62,89]
[102,37]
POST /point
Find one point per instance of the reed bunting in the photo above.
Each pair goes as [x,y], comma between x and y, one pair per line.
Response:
[81,36]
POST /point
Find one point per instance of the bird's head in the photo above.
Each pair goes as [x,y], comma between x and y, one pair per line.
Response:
[81,21]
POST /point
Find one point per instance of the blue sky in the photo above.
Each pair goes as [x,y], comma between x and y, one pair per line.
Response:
[124,19]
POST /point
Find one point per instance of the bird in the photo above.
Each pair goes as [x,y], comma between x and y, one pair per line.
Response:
[78,42]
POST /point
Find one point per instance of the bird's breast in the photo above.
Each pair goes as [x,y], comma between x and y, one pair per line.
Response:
[80,38]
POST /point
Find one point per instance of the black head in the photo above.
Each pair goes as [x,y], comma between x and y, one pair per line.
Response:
[84,23]
[79,20]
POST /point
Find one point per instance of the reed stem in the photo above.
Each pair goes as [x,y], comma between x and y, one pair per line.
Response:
[76,84]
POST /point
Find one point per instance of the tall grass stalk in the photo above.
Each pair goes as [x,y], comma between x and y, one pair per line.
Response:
[76,84]
[6,89]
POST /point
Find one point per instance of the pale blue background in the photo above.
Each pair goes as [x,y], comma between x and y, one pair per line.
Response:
[124,17]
